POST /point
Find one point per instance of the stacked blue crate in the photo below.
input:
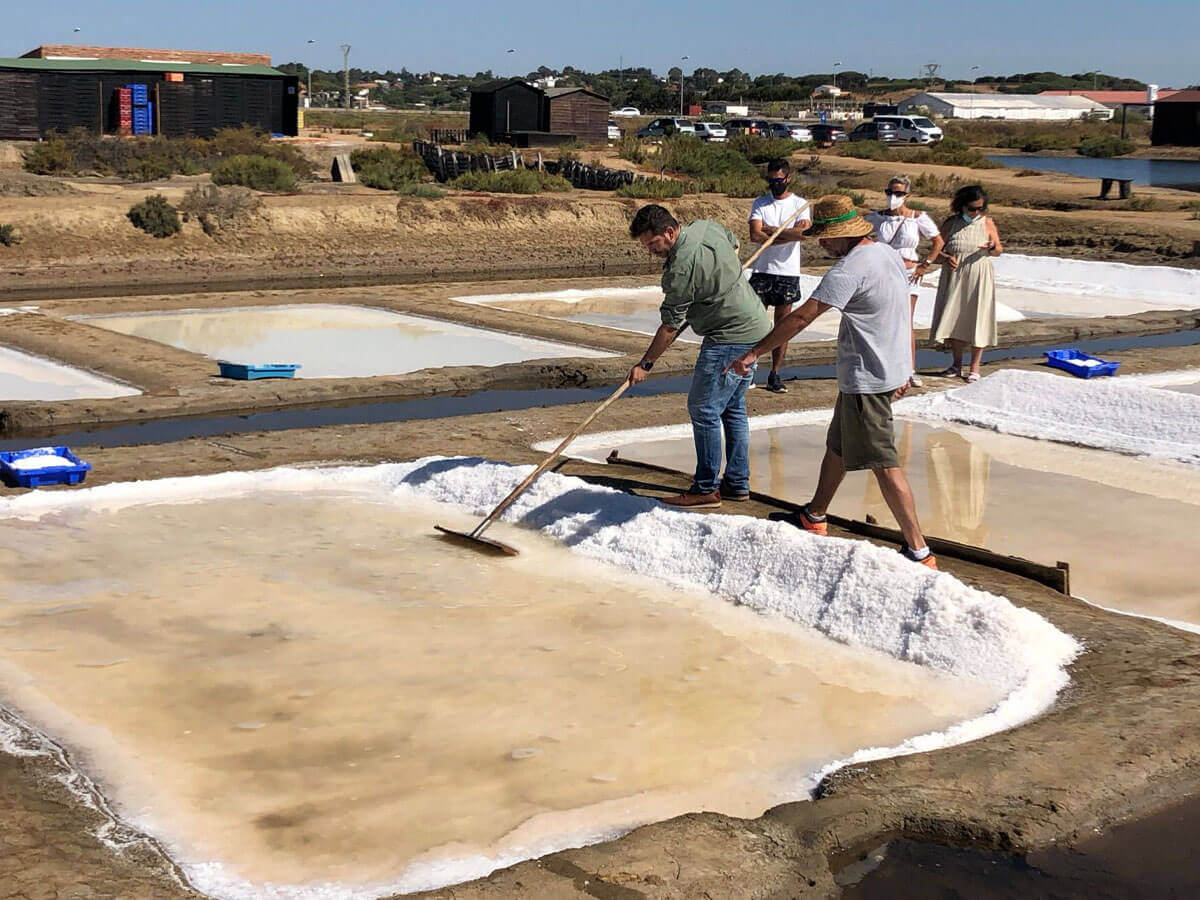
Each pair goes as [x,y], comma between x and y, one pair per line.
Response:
[143,109]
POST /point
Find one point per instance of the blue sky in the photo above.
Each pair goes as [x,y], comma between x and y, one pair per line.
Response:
[1153,42]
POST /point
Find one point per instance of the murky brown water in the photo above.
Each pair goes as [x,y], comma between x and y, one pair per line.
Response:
[332,341]
[1127,526]
[313,688]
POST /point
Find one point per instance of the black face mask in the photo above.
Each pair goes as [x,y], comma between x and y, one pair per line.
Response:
[778,187]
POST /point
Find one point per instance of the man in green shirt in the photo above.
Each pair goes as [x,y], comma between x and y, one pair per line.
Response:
[703,288]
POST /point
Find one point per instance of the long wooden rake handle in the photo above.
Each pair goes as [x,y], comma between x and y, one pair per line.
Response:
[804,207]
[545,464]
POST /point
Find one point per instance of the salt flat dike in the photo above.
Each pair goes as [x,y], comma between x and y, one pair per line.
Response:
[853,592]
[1121,414]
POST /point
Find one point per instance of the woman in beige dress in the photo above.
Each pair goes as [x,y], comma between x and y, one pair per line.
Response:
[964,314]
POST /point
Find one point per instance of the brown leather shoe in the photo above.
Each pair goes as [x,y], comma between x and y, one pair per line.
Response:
[693,501]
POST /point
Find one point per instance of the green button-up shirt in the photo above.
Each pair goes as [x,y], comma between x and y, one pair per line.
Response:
[703,286]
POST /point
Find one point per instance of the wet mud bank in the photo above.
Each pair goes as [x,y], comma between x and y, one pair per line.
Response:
[177,383]
[1122,741]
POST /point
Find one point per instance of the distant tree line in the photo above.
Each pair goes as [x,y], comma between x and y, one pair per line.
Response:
[640,87]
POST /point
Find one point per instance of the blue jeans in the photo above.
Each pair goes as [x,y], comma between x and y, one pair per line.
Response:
[716,403]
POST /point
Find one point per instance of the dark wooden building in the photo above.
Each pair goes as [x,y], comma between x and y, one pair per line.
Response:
[41,96]
[504,107]
[1177,120]
[578,111]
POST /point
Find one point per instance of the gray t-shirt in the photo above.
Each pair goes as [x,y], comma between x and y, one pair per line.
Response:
[869,286]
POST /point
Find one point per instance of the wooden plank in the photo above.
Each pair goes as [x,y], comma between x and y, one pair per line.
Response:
[1057,577]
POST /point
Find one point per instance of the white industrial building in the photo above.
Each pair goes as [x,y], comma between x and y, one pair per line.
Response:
[1050,108]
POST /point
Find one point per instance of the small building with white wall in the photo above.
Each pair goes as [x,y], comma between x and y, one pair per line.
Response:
[1028,107]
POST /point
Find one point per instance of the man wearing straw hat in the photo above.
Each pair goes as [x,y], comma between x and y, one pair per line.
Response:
[869,286]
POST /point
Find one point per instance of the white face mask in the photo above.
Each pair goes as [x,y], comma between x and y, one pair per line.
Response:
[895,201]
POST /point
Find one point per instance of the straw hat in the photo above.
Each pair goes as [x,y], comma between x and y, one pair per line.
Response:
[834,216]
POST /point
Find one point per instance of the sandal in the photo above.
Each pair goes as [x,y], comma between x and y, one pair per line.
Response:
[972,378]
[948,372]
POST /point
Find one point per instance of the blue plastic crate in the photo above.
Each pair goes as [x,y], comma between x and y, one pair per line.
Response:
[1073,361]
[139,92]
[244,372]
[50,474]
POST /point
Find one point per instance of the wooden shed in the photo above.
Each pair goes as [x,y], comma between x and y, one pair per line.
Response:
[1177,120]
[578,111]
[500,108]
[40,96]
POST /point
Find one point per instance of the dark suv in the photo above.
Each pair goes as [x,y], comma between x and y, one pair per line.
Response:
[828,134]
[876,131]
[747,126]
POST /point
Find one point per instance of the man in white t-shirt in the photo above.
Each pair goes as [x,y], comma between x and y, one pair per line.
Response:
[776,272]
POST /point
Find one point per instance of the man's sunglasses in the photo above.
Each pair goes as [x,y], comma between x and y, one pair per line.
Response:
[892,193]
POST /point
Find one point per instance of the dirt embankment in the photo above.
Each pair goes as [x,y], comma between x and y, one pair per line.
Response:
[76,233]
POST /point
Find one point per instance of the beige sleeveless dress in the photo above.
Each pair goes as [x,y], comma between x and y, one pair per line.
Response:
[965,309]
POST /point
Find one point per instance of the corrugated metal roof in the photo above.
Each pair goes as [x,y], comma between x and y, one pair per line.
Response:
[1106,97]
[1182,97]
[1013,101]
[133,65]
[559,91]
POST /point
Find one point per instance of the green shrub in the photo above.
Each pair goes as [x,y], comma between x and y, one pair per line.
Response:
[217,208]
[858,197]
[155,216]
[262,173]
[652,189]
[743,186]
[518,181]
[10,236]
[630,148]
[1029,173]
[865,150]
[1106,146]
[386,168]
[248,141]
[421,190]
[760,149]
[1035,143]
[691,156]
[50,157]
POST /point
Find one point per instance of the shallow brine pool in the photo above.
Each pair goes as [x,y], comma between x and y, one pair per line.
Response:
[331,341]
[308,689]
[27,377]
[1126,525]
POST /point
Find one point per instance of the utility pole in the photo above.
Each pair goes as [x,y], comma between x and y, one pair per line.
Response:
[682,60]
[346,76]
[308,96]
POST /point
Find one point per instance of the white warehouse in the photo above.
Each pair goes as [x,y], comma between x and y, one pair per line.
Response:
[1006,106]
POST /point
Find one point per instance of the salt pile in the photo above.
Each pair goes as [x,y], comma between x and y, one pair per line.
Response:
[39,461]
[1110,414]
[1163,287]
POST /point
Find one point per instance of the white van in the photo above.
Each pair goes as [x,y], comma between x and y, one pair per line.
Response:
[914,129]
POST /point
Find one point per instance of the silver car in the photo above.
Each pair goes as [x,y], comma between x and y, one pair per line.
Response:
[711,131]
[793,130]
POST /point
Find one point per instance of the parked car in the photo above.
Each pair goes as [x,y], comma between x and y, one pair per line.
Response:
[914,129]
[665,126]
[747,126]
[614,131]
[793,130]
[828,134]
[711,131]
[626,112]
[887,132]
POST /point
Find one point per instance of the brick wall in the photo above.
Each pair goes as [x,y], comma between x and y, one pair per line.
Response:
[193,56]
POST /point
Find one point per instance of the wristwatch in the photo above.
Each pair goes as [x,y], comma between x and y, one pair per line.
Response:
[646,365]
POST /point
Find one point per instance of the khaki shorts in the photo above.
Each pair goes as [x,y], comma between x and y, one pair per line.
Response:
[861,431]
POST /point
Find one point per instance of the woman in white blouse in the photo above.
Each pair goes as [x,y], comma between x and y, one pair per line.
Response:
[902,228]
